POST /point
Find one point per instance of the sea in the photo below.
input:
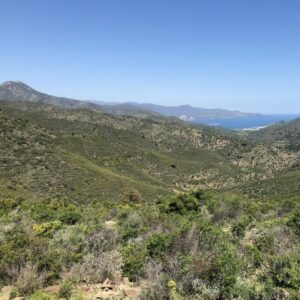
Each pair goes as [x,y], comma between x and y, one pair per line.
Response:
[246,123]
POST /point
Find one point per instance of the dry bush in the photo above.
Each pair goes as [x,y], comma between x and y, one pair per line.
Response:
[101,241]
[155,281]
[95,269]
[204,291]
[133,195]
[28,279]
[189,243]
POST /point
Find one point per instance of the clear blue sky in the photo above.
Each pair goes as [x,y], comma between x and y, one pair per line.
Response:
[231,54]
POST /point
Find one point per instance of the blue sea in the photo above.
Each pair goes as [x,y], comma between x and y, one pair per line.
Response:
[250,123]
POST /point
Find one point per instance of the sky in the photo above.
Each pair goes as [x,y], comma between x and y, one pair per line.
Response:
[233,54]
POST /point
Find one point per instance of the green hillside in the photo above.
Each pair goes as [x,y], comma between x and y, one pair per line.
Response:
[283,134]
[185,212]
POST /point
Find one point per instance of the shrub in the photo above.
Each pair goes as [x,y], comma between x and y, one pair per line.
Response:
[46,229]
[133,195]
[285,271]
[224,269]
[204,290]
[294,222]
[157,244]
[69,241]
[155,281]
[50,262]
[239,227]
[100,241]
[29,280]
[95,269]
[40,295]
[13,294]
[65,290]
[70,217]
[134,257]
[133,226]
[78,296]
[266,243]
[181,204]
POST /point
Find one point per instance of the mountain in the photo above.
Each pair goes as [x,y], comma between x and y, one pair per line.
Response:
[284,134]
[189,113]
[19,91]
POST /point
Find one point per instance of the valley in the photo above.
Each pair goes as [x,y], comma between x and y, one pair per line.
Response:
[172,209]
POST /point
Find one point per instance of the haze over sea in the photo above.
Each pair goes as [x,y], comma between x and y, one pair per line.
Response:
[251,123]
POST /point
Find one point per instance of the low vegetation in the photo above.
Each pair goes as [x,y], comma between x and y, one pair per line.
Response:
[88,198]
[210,245]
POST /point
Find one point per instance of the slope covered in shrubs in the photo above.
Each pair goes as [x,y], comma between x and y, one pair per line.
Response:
[211,245]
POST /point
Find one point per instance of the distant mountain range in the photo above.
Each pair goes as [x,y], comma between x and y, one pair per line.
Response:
[190,113]
[19,91]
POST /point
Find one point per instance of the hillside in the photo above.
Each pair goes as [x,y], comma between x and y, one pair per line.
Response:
[284,134]
[92,206]
[50,150]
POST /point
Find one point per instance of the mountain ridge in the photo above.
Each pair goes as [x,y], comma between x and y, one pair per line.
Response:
[19,91]
[189,112]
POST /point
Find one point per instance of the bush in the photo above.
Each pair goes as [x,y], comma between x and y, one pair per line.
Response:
[101,241]
[70,217]
[46,229]
[294,222]
[95,269]
[40,295]
[266,243]
[134,257]
[285,271]
[156,281]
[181,204]
[239,227]
[157,245]
[69,242]
[132,195]
[29,280]
[132,226]
[13,294]
[50,262]
[225,269]
[65,290]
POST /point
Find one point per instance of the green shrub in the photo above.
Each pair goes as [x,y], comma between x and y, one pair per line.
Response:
[134,257]
[46,229]
[157,245]
[50,262]
[40,295]
[285,271]
[239,227]
[181,204]
[294,222]
[65,290]
[70,217]
[225,269]
[13,294]
[266,243]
